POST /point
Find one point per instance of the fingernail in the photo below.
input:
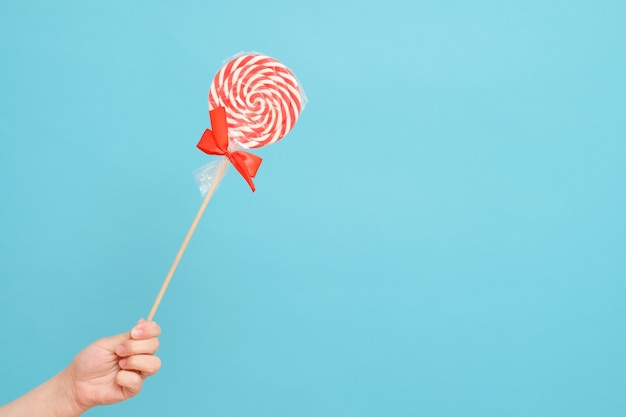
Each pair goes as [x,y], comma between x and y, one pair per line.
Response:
[122,363]
[120,350]
[137,333]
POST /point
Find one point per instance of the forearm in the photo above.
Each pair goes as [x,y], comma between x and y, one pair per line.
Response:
[53,398]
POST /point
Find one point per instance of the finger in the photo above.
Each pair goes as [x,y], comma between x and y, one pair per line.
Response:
[145,330]
[112,341]
[146,364]
[137,347]
[130,381]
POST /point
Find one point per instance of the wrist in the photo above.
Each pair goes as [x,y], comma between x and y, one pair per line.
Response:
[67,404]
[53,398]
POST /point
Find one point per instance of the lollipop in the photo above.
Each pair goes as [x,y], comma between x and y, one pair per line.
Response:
[254,101]
[261,96]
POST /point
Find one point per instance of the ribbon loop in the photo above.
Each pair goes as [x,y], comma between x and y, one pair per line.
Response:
[215,142]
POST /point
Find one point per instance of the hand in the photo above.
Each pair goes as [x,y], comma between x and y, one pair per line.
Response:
[113,369]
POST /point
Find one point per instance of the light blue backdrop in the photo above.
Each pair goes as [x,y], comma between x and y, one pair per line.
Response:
[442,234]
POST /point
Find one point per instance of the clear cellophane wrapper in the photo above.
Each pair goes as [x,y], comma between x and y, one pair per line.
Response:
[240,137]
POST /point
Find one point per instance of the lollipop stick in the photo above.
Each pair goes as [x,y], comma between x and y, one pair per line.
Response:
[218,177]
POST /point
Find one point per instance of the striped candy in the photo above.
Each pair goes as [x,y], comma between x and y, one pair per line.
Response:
[262,99]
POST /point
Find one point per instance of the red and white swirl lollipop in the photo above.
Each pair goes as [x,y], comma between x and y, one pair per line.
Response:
[262,98]
[254,101]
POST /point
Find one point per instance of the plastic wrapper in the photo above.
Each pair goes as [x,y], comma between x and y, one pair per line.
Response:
[259,101]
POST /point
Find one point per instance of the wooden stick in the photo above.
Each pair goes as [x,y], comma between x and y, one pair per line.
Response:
[218,177]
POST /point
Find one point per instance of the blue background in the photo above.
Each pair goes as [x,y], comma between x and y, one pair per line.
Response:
[442,234]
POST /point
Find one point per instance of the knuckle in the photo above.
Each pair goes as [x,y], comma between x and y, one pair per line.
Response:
[130,348]
[151,366]
[127,363]
[157,364]
[155,329]
[136,387]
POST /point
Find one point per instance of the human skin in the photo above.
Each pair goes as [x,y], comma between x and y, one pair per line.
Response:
[108,371]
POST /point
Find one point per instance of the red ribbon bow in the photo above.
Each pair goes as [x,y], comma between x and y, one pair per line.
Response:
[215,142]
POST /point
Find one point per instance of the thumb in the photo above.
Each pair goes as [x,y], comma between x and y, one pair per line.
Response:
[112,342]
